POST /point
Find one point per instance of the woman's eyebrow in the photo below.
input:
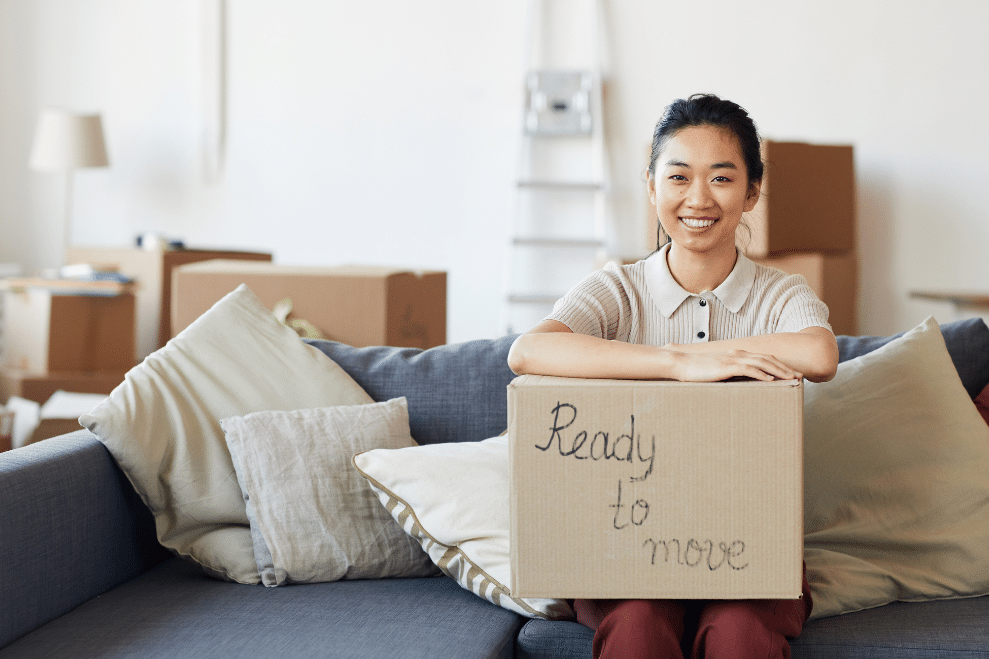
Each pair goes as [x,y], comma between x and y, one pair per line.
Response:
[718,165]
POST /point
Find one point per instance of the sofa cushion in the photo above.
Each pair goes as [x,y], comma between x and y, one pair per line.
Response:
[313,518]
[924,630]
[173,610]
[162,425]
[896,499]
[967,342]
[456,392]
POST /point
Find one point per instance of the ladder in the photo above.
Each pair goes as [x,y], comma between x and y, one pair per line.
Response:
[558,232]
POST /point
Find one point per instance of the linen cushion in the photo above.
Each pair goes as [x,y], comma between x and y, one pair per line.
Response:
[162,424]
[896,464]
[313,518]
[453,499]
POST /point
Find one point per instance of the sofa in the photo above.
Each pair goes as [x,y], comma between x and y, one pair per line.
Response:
[83,574]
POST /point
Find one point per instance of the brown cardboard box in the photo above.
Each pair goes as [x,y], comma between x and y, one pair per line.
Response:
[39,387]
[834,277]
[356,305]
[807,203]
[152,269]
[6,429]
[48,331]
[657,489]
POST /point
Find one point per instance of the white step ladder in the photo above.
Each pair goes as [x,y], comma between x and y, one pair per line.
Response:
[559,228]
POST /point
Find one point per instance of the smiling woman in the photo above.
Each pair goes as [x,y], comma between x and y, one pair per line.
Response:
[695,310]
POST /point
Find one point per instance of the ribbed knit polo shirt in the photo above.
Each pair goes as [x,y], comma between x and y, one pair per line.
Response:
[643,303]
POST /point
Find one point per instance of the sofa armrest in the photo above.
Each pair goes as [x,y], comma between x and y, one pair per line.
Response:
[71,528]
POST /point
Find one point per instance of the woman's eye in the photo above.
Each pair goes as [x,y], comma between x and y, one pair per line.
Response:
[722,179]
[678,177]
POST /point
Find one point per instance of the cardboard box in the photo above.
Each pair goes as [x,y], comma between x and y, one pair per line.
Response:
[807,203]
[39,387]
[657,489]
[6,429]
[50,331]
[152,269]
[834,277]
[356,305]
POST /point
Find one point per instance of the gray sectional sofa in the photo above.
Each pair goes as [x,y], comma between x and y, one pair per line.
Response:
[82,575]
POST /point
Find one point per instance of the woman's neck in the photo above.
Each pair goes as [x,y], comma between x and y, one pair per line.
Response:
[700,271]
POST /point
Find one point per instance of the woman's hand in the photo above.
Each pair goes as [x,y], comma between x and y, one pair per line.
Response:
[717,366]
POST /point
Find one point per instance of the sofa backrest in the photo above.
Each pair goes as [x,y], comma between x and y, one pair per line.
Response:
[456,392]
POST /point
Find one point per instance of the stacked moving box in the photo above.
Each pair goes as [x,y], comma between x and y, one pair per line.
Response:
[805,222]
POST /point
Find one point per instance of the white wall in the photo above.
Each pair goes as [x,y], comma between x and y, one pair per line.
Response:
[385,132]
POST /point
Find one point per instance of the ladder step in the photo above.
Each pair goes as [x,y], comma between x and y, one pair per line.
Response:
[590,243]
[583,186]
[534,299]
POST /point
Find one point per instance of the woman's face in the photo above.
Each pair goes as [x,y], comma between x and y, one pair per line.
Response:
[701,188]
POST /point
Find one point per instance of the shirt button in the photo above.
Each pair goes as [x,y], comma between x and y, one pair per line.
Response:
[703,302]
[700,335]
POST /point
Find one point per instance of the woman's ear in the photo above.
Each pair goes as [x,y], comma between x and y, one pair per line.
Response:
[651,185]
[752,198]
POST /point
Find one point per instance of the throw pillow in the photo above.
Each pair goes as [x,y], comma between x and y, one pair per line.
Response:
[453,499]
[162,425]
[896,498]
[313,518]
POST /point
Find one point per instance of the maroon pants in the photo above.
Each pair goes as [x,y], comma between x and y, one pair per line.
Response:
[737,629]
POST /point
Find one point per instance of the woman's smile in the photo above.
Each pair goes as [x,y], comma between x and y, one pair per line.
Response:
[698,222]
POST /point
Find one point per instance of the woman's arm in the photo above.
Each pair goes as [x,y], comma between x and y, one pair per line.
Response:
[551,348]
[812,351]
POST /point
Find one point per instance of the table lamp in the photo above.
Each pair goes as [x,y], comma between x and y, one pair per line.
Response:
[65,142]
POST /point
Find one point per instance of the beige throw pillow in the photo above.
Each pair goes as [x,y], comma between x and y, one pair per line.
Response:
[162,425]
[896,464]
[313,518]
[453,499]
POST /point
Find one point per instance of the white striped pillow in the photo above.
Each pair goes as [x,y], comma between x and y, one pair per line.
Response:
[453,499]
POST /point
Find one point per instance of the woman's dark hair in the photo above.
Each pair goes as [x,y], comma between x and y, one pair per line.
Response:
[709,110]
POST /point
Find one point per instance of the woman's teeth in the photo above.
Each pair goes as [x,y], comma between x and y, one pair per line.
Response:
[696,224]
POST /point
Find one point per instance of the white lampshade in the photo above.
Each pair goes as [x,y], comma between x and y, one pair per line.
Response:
[65,141]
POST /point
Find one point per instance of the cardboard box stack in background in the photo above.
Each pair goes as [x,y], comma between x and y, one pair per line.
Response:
[152,270]
[656,489]
[64,339]
[356,305]
[805,223]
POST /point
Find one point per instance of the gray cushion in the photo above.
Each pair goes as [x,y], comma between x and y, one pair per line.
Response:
[967,342]
[456,392]
[71,528]
[173,610]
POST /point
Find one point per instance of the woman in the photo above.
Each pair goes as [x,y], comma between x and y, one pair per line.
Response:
[696,310]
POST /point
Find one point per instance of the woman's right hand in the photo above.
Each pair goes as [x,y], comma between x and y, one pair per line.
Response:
[717,366]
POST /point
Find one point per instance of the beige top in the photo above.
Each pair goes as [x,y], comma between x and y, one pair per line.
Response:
[642,303]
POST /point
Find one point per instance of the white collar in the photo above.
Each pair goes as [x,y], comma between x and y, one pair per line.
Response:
[669,295]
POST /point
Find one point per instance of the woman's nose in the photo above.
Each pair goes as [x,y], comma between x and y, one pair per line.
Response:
[698,194]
